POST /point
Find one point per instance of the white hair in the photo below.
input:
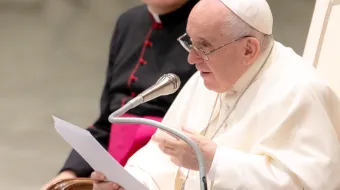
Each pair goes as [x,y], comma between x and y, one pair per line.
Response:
[236,28]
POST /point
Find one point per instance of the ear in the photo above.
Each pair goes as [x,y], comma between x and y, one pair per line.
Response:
[251,50]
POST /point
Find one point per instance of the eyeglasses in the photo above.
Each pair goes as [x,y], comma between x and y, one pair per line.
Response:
[186,42]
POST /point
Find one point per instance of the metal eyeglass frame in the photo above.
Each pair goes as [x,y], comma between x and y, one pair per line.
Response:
[200,52]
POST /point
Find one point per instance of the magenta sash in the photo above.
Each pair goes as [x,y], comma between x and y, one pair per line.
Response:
[126,139]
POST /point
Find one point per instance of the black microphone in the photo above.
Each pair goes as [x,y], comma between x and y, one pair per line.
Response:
[167,84]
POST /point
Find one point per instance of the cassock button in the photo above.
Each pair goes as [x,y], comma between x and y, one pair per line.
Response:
[142,61]
[148,43]
[133,78]
[156,25]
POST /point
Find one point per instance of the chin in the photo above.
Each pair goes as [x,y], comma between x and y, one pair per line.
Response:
[214,86]
[211,85]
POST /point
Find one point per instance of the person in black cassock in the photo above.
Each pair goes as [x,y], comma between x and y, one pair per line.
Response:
[144,46]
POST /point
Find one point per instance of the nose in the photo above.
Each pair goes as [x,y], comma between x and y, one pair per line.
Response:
[194,58]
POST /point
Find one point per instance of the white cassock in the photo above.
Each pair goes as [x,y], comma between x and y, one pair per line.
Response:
[281,130]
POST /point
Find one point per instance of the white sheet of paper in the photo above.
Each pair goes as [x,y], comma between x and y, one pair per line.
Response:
[95,155]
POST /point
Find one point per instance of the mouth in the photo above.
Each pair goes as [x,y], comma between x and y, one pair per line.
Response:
[203,74]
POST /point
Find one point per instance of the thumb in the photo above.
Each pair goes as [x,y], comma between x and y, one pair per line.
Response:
[190,131]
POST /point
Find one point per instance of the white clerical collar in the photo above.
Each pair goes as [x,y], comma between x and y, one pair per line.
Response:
[248,76]
[155,16]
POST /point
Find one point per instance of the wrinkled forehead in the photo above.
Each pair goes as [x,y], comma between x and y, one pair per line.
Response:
[205,22]
[201,28]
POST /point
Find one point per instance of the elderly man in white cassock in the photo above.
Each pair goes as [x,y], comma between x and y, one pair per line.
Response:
[261,116]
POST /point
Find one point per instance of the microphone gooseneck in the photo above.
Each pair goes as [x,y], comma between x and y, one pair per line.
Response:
[195,147]
[167,84]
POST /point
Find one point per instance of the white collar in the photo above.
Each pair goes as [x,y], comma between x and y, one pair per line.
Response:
[155,16]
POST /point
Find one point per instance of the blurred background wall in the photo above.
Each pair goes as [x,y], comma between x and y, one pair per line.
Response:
[53,55]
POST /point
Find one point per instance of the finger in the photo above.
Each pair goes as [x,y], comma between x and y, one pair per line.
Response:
[105,186]
[172,135]
[162,135]
[166,141]
[98,176]
[156,138]
[189,131]
[193,135]
[168,146]
[167,150]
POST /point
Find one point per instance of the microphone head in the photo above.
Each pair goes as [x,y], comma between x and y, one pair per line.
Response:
[171,78]
[167,84]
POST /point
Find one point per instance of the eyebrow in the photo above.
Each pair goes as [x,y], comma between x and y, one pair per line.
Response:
[201,40]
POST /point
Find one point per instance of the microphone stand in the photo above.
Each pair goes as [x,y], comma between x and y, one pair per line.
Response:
[197,150]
